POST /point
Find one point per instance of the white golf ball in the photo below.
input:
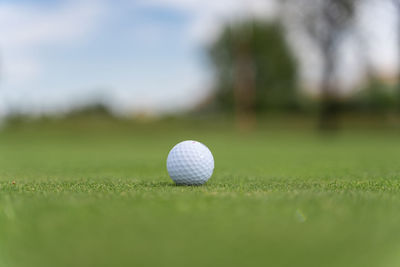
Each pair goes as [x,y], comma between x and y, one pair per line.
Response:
[190,163]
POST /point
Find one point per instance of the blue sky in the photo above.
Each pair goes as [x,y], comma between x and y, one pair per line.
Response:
[142,56]
[137,56]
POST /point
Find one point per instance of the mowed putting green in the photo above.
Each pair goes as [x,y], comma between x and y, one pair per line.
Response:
[96,193]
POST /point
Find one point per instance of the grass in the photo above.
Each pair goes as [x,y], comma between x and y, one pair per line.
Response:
[96,193]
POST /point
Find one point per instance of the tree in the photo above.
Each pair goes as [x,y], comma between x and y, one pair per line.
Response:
[326,23]
[255,70]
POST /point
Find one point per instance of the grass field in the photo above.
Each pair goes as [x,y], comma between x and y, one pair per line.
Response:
[96,193]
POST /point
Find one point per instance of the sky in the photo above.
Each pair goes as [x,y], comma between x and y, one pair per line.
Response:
[138,55]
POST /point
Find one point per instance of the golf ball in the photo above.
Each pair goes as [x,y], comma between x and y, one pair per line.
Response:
[190,163]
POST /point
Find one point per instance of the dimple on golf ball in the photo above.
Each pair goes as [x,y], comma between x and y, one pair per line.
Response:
[190,163]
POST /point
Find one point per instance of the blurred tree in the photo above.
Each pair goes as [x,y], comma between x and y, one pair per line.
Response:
[325,22]
[377,97]
[94,109]
[255,70]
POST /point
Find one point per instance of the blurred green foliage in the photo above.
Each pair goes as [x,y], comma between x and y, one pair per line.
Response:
[273,66]
[376,97]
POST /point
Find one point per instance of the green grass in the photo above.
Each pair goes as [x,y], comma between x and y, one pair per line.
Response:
[96,193]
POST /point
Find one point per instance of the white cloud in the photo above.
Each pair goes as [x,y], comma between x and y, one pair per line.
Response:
[24,29]
[27,26]
[379,23]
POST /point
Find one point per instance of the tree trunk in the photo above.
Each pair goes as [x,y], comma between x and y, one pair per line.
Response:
[330,106]
[329,114]
[397,5]
[244,88]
